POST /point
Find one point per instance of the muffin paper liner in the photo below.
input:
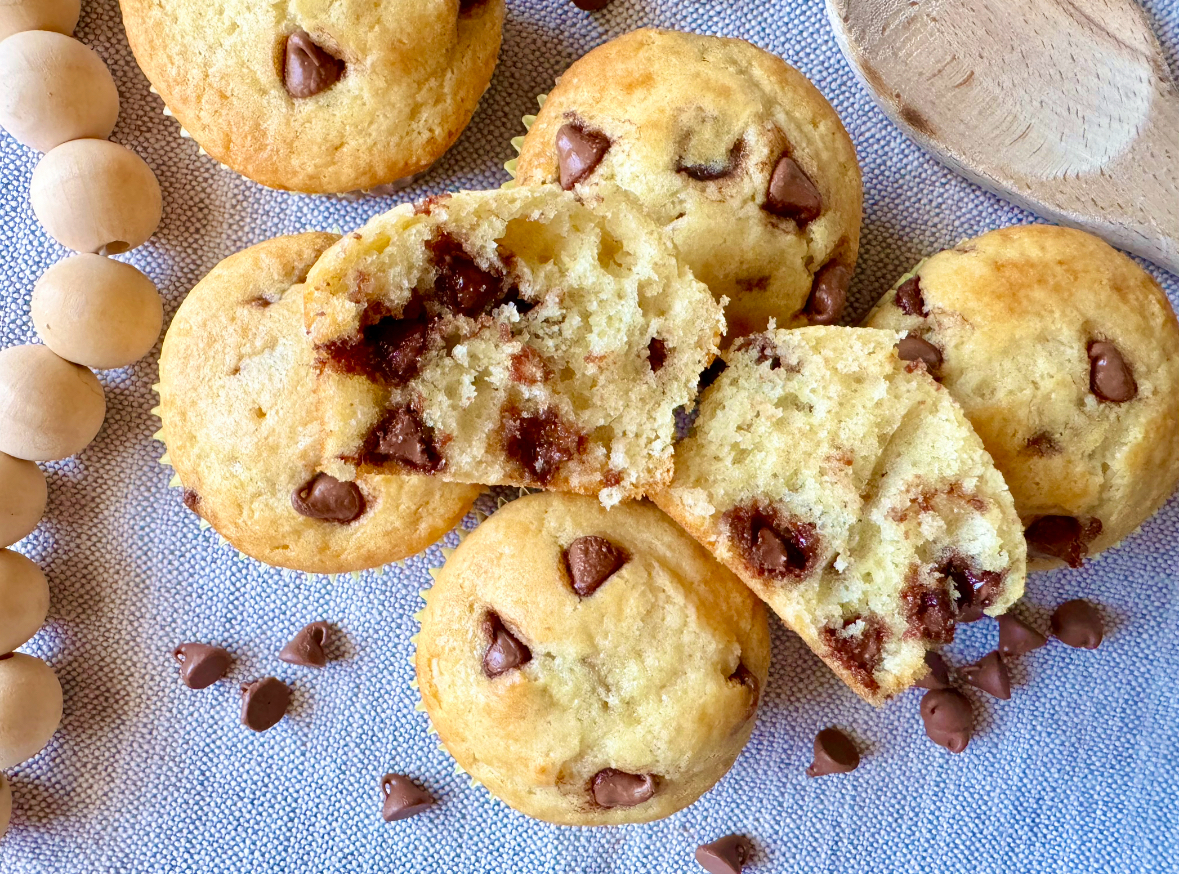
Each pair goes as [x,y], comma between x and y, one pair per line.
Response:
[518,143]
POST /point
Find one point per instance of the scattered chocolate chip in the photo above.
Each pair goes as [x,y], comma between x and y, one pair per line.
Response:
[930,613]
[539,442]
[859,653]
[1109,375]
[308,69]
[325,498]
[726,856]
[590,561]
[989,674]
[1061,537]
[264,703]
[191,500]
[1077,623]
[402,437]
[948,718]
[306,647]
[975,590]
[1017,638]
[712,373]
[772,543]
[591,5]
[656,354]
[716,170]
[745,677]
[389,348]
[828,294]
[403,798]
[201,665]
[909,299]
[834,754]
[579,151]
[915,349]
[613,788]
[460,283]
[505,651]
[791,193]
[939,673]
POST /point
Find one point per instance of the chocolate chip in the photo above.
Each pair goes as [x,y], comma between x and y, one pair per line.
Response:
[975,590]
[939,674]
[540,443]
[591,561]
[1078,624]
[915,349]
[1042,443]
[613,788]
[306,647]
[909,299]
[712,373]
[308,68]
[717,169]
[948,718]
[460,283]
[591,5]
[726,856]
[828,294]
[191,500]
[791,193]
[259,302]
[402,437]
[930,613]
[505,651]
[989,674]
[772,543]
[403,798]
[325,498]
[1061,537]
[389,348]
[579,151]
[763,348]
[858,653]
[834,754]
[1017,638]
[1109,375]
[656,354]
[264,703]
[201,665]
[745,677]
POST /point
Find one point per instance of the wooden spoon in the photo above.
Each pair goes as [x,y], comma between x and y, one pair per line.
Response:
[1064,106]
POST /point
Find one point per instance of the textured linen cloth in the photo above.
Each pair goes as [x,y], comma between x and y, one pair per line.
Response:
[1078,772]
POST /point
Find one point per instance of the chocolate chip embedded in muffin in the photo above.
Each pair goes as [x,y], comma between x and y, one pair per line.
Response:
[504,652]
[306,648]
[579,151]
[908,298]
[1062,537]
[828,294]
[388,348]
[308,68]
[591,561]
[792,194]
[989,674]
[714,171]
[461,284]
[929,612]
[976,590]
[264,703]
[201,665]
[402,798]
[772,543]
[857,649]
[1109,375]
[539,442]
[748,679]
[656,354]
[948,718]
[1078,623]
[613,788]
[325,498]
[191,500]
[402,437]
[915,349]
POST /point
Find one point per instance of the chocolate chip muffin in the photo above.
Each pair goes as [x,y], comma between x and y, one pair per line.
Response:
[237,404]
[319,97]
[846,487]
[590,666]
[727,146]
[1065,356]
[519,337]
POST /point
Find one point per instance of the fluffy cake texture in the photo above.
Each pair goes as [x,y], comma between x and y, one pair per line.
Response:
[237,404]
[519,337]
[847,489]
[698,127]
[585,691]
[1064,354]
[319,96]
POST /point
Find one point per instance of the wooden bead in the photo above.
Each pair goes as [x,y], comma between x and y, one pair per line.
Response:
[24,600]
[17,16]
[96,196]
[5,804]
[22,498]
[97,312]
[30,707]
[55,90]
[49,409]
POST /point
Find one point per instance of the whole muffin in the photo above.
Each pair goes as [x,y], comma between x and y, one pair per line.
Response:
[731,149]
[319,97]
[1064,355]
[237,404]
[590,666]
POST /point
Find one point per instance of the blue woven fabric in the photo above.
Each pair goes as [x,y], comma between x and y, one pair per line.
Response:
[1077,773]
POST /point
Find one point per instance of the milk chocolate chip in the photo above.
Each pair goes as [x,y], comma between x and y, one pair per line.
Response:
[834,754]
[745,677]
[505,651]
[1077,623]
[909,298]
[308,69]
[403,798]
[201,665]
[613,788]
[828,294]
[462,284]
[930,613]
[264,703]
[716,170]
[939,674]
[859,653]
[306,647]
[913,348]
[989,674]
[539,442]
[1109,375]
[1062,537]
[579,151]
[976,590]
[772,543]
[325,498]
[591,561]
[948,718]
[1017,638]
[401,436]
[656,354]
[712,373]
[726,856]
[389,348]
[791,193]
